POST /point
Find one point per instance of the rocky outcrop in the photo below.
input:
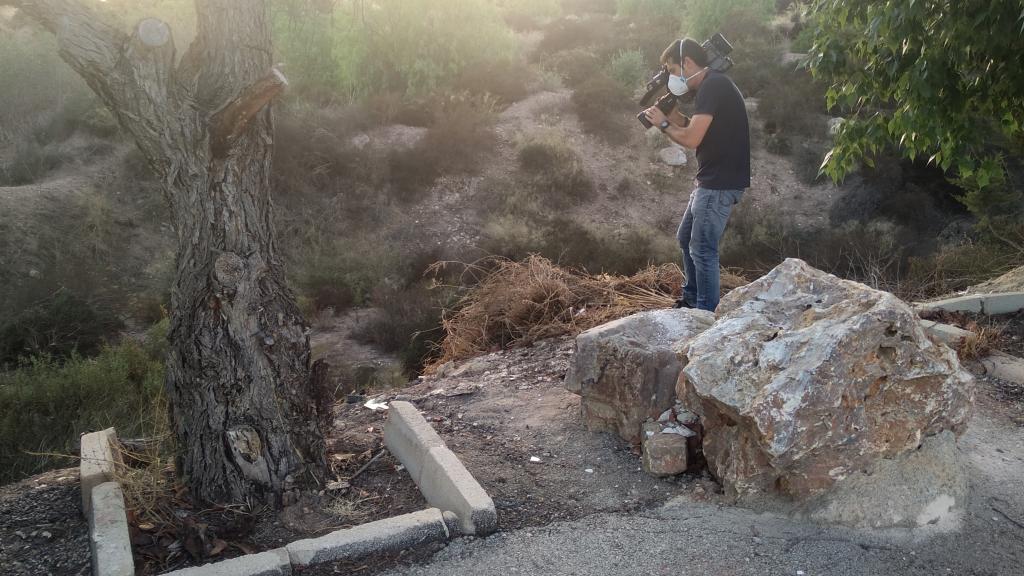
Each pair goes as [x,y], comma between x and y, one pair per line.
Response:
[626,370]
[806,379]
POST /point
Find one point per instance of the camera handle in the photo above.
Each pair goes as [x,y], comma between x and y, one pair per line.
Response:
[666,104]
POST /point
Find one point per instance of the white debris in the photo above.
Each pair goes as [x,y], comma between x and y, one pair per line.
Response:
[589,470]
[680,430]
[534,459]
[374,405]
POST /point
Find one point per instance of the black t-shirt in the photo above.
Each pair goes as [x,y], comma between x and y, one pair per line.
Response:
[723,157]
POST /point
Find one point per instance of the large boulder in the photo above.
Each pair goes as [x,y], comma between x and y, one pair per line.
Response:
[626,370]
[806,380]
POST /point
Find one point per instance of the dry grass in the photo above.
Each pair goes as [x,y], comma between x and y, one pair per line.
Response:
[145,470]
[980,343]
[518,303]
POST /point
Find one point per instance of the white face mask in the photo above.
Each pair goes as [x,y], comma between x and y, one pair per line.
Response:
[679,85]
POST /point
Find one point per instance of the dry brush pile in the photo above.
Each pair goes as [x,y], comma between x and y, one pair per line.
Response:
[518,303]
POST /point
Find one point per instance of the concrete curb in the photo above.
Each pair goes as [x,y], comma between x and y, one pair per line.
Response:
[998,364]
[108,532]
[991,304]
[96,464]
[945,333]
[462,505]
[409,437]
[441,477]
[271,563]
[1004,367]
[389,534]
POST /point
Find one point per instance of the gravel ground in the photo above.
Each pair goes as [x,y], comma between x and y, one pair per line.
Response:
[42,531]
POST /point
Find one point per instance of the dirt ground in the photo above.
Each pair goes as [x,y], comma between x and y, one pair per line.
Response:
[495,412]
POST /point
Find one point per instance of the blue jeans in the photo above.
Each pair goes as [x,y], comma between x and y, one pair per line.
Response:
[699,232]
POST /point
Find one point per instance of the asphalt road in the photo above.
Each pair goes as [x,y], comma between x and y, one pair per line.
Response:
[686,538]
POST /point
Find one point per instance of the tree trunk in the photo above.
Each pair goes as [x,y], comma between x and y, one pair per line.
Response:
[243,393]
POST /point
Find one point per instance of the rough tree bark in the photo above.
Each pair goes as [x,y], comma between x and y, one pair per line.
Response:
[242,390]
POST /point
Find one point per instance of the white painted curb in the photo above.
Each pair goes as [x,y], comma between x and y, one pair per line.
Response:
[466,507]
[108,532]
[271,563]
[442,478]
[389,534]
[991,304]
[96,463]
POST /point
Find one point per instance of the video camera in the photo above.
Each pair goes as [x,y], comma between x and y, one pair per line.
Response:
[717,49]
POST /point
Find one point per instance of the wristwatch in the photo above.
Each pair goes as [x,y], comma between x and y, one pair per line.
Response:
[664,125]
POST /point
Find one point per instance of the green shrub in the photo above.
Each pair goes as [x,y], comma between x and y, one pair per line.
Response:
[614,250]
[366,379]
[409,47]
[453,145]
[81,113]
[757,52]
[410,322]
[650,10]
[804,40]
[603,107]
[31,163]
[703,18]
[629,69]
[525,15]
[36,82]
[581,7]
[576,33]
[551,177]
[793,106]
[574,66]
[878,253]
[506,81]
[56,326]
[339,273]
[46,404]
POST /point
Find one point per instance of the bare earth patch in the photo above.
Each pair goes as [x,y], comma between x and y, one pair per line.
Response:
[508,417]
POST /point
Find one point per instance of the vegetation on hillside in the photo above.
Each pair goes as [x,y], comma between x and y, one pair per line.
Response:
[393,111]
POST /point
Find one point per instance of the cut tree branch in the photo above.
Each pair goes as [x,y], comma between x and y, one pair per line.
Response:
[231,120]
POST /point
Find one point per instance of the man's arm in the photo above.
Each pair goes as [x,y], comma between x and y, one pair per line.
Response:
[690,135]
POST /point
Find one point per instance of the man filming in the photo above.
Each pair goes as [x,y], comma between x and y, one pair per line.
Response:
[721,135]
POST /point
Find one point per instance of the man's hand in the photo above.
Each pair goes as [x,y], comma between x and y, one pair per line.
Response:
[655,116]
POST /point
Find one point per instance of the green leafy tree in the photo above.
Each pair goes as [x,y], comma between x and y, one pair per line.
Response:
[936,79]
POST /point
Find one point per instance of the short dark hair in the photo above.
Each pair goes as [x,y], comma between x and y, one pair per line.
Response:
[690,48]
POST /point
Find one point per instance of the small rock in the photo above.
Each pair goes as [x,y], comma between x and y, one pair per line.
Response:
[360,141]
[534,459]
[589,470]
[673,155]
[665,454]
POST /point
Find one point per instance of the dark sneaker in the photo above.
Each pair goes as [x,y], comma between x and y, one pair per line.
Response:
[681,303]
